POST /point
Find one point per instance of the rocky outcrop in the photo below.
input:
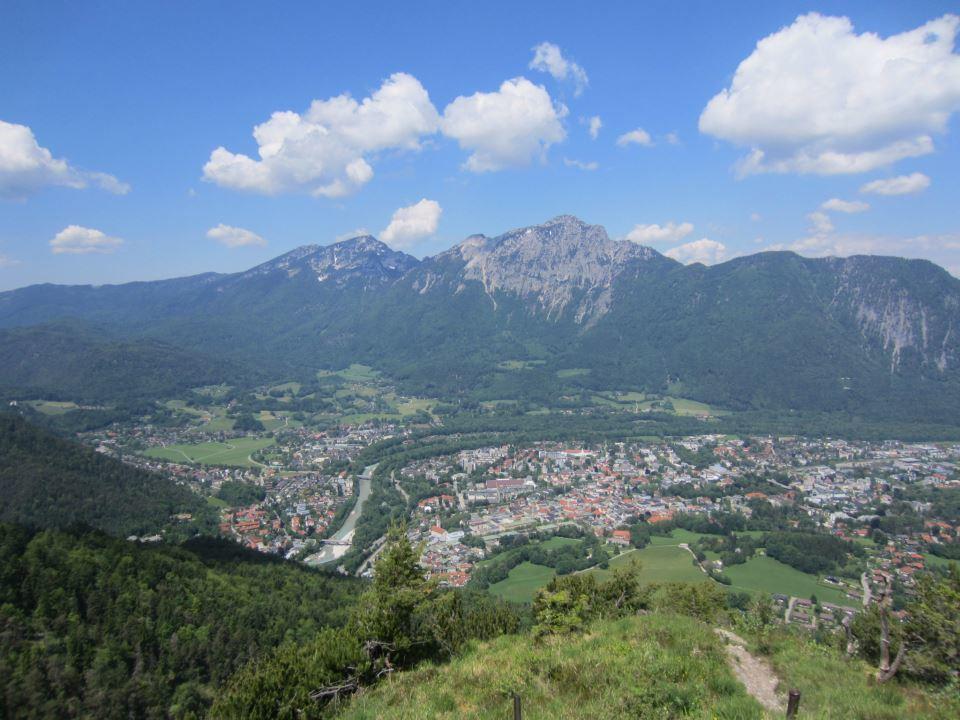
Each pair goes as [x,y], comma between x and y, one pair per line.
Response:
[361,258]
[563,266]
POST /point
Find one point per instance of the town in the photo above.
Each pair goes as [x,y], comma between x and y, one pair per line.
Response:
[652,502]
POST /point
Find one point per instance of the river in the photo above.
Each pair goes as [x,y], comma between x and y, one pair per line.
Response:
[329,553]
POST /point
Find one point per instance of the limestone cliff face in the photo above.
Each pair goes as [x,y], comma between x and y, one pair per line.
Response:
[909,309]
[562,266]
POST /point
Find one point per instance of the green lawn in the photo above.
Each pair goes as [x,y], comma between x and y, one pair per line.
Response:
[287,387]
[53,407]
[764,574]
[523,582]
[572,372]
[662,563]
[270,420]
[519,364]
[215,502]
[235,453]
[936,561]
[559,542]
[411,406]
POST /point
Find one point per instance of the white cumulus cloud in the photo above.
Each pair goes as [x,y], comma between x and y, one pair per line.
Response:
[7,261]
[234,237]
[670,233]
[594,124]
[77,240]
[845,206]
[412,223]
[705,250]
[581,165]
[506,128]
[548,58]
[900,185]
[821,224]
[327,150]
[26,167]
[816,97]
[635,137]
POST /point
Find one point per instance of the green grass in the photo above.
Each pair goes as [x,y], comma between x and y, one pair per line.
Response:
[519,364]
[572,372]
[523,582]
[661,563]
[764,574]
[833,687]
[411,406]
[236,453]
[270,420]
[288,387]
[658,666]
[214,391]
[559,542]
[53,407]
[358,373]
[937,561]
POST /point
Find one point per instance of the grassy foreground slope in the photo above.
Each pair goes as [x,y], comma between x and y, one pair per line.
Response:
[654,666]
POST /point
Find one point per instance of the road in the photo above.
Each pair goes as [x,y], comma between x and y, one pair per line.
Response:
[865,582]
[330,553]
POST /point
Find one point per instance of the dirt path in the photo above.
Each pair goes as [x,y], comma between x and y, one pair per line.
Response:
[755,674]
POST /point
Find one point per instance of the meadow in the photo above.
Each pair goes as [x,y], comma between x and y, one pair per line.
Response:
[764,574]
[235,453]
[664,561]
[523,582]
[659,563]
[657,666]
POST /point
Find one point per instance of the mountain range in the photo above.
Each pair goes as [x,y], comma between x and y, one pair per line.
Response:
[575,310]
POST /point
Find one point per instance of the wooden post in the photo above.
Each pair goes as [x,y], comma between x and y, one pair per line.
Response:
[516,707]
[793,704]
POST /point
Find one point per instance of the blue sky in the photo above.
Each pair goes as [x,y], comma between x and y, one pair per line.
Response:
[111,113]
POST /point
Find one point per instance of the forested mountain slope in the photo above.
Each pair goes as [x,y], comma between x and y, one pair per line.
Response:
[96,627]
[49,482]
[875,336]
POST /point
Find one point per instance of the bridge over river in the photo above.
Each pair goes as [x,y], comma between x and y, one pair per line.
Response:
[337,545]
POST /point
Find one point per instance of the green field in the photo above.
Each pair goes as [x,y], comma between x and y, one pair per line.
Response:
[559,542]
[936,561]
[236,452]
[759,574]
[764,574]
[663,563]
[519,364]
[523,582]
[572,372]
[292,388]
[358,373]
[411,406]
[52,407]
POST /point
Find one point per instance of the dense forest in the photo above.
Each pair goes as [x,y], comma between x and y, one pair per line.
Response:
[46,481]
[92,626]
[73,361]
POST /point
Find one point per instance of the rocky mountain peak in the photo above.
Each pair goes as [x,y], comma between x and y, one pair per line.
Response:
[563,264]
[362,257]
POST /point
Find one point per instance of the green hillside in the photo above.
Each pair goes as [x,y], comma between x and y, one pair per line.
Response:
[653,666]
[95,627]
[46,481]
[656,666]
